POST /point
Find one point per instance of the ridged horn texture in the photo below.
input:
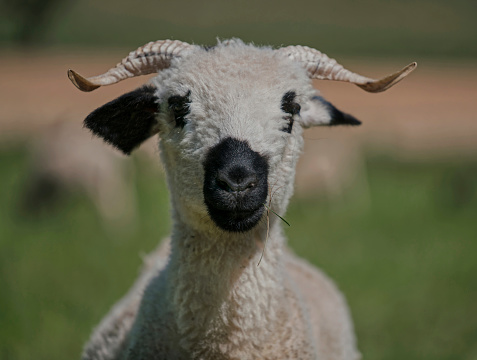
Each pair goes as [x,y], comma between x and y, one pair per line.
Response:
[147,59]
[320,66]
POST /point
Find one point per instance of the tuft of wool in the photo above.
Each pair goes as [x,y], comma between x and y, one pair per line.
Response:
[202,295]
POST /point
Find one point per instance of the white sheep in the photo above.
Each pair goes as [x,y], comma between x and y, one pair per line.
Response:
[230,120]
[65,160]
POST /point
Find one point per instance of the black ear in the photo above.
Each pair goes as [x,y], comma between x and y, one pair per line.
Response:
[321,112]
[126,121]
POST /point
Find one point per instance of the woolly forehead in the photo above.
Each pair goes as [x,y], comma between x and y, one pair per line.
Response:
[240,68]
[236,89]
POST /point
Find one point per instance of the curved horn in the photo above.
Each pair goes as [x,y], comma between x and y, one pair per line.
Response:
[147,59]
[320,66]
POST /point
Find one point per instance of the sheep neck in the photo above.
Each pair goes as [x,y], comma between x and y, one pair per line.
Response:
[220,298]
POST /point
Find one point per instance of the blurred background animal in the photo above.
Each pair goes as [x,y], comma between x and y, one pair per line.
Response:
[66,160]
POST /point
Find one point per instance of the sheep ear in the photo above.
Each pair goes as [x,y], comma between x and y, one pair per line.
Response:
[322,113]
[126,121]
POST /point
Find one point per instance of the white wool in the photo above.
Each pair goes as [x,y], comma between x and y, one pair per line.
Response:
[210,300]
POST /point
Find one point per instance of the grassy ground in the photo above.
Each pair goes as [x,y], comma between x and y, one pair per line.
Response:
[406,261]
[405,256]
[61,269]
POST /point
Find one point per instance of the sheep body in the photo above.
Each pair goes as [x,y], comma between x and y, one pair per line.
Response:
[318,304]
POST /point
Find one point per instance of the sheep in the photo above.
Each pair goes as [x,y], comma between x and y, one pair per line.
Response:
[65,160]
[230,120]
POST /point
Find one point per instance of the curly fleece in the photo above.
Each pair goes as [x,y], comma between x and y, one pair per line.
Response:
[202,295]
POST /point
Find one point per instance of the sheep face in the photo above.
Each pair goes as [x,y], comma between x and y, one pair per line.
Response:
[230,135]
[230,122]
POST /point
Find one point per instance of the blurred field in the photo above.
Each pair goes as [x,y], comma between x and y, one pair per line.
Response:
[404,254]
[437,28]
[388,210]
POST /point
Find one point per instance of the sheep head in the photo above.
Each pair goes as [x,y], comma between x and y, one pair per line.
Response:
[230,119]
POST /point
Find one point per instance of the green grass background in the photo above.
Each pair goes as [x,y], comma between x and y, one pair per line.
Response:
[405,259]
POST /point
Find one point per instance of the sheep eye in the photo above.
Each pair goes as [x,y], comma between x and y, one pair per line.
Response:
[290,107]
[180,107]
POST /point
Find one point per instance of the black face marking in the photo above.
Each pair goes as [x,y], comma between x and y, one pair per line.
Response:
[290,107]
[337,117]
[235,185]
[126,121]
[180,106]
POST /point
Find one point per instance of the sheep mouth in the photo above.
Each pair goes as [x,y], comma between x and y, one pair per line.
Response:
[236,220]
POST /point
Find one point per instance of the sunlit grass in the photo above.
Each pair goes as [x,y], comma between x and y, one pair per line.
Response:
[406,258]
[405,255]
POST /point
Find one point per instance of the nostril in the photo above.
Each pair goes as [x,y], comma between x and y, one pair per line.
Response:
[236,180]
[248,183]
[223,184]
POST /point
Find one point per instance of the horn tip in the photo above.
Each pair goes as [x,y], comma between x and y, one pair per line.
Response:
[411,66]
[375,86]
[80,82]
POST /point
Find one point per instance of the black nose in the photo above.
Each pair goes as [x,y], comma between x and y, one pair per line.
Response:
[235,185]
[236,179]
